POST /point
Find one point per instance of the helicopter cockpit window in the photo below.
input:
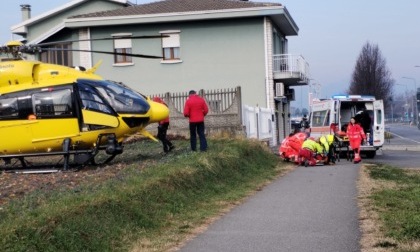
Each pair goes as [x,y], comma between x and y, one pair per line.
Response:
[53,103]
[122,98]
[92,101]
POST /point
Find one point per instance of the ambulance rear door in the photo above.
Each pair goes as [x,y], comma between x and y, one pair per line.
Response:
[320,119]
[378,123]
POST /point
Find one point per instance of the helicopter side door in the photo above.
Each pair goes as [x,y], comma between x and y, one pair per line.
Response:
[96,112]
[54,112]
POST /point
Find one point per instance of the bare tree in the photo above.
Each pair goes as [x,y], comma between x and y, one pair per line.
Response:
[371,75]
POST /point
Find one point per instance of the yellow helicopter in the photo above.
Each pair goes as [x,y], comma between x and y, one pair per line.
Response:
[49,109]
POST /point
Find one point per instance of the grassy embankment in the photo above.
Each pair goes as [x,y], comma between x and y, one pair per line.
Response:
[151,205]
[390,208]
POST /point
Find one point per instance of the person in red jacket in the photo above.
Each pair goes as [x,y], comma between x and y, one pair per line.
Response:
[355,134]
[163,129]
[196,109]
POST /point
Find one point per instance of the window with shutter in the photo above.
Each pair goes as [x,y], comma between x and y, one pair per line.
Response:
[171,46]
[122,45]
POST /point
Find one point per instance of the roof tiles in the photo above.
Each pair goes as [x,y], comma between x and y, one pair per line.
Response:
[178,6]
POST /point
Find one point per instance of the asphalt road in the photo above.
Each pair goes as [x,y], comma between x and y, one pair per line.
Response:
[403,135]
[398,158]
[310,209]
[402,150]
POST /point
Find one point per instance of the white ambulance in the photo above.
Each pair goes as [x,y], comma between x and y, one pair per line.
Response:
[338,110]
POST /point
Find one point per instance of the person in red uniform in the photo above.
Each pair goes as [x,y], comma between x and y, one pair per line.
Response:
[163,129]
[196,109]
[290,147]
[355,134]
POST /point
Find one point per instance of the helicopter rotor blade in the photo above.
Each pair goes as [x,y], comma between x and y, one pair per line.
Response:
[96,39]
[105,52]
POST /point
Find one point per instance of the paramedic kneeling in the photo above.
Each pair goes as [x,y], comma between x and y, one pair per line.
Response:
[307,153]
[327,142]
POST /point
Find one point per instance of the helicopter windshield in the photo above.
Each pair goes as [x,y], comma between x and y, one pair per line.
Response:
[120,97]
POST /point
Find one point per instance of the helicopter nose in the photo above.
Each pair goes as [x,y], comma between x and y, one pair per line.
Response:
[158,111]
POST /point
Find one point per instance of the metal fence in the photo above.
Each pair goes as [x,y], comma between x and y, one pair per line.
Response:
[226,115]
[225,111]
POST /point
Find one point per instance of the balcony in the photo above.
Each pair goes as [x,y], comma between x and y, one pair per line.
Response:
[292,70]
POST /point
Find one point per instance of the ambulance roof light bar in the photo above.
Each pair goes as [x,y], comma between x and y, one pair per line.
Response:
[353,97]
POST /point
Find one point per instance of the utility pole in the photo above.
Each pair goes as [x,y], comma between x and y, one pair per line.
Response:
[406,100]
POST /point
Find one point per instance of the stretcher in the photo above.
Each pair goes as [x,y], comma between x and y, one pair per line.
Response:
[341,143]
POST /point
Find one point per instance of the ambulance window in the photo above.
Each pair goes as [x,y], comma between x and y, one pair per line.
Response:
[318,118]
[378,116]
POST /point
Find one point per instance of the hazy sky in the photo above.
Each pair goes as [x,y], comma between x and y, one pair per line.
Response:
[331,36]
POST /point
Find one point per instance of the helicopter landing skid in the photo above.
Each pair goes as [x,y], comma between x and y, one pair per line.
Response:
[109,159]
[81,157]
[112,148]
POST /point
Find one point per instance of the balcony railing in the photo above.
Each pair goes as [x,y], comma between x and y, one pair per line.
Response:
[288,66]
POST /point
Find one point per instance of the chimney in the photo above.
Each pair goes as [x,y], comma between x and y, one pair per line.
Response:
[26,11]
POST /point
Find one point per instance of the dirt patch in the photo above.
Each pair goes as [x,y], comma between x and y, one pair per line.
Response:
[16,185]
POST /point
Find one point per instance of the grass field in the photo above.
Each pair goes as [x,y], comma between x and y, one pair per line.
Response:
[390,208]
[152,204]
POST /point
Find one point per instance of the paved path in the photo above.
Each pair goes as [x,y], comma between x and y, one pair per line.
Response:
[309,209]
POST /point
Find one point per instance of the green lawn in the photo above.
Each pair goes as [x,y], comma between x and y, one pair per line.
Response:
[397,201]
[153,204]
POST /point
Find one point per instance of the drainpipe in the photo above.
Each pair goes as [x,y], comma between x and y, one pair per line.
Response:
[26,11]
[267,79]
